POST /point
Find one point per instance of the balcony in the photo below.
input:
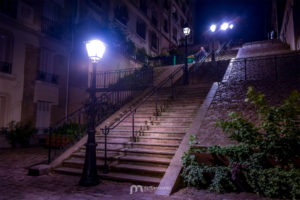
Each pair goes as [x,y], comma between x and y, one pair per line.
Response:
[46,92]
[47,77]
[52,28]
[5,67]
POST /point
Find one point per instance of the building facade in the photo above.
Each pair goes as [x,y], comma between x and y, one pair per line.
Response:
[44,69]
[290,28]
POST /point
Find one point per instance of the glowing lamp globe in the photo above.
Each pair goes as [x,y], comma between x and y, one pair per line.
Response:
[186,31]
[213,28]
[224,26]
[95,50]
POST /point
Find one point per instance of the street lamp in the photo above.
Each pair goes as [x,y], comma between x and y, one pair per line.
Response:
[231,26]
[89,177]
[186,32]
[213,28]
[224,26]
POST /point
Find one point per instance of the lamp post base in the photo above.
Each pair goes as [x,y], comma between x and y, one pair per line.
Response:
[89,176]
[89,181]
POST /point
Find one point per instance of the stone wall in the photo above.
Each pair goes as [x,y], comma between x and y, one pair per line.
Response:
[231,93]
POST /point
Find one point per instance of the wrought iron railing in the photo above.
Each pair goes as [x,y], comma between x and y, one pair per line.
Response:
[5,67]
[71,129]
[124,79]
[274,68]
[53,28]
[47,77]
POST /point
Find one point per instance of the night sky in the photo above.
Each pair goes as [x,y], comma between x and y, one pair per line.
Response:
[251,18]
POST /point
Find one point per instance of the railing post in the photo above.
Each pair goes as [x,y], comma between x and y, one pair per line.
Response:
[245,69]
[133,127]
[79,126]
[50,145]
[172,86]
[104,80]
[156,99]
[105,131]
[276,70]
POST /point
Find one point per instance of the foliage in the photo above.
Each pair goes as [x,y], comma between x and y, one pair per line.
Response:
[265,159]
[70,130]
[141,55]
[19,133]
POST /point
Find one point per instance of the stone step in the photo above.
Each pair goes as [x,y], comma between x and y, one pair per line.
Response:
[153,171]
[151,128]
[146,180]
[148,145]
[169,140]
[144,160]
[148,152]
[171,119]
[129,132]
[76,162]
[155,124]
[124,177]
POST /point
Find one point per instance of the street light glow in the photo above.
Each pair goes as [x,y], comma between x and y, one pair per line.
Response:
[224,26]
[213,28]
[186,31]
[231,26]
[95,50]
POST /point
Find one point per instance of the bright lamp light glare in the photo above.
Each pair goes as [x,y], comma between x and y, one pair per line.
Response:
[186,31]
[213,28]
[224,26]
[95,50]
[231,26]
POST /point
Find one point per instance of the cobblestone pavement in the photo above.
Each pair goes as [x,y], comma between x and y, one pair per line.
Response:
[15,184]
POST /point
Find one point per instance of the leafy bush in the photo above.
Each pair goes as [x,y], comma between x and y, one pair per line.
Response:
[264,161]
[19,133]
[70,130]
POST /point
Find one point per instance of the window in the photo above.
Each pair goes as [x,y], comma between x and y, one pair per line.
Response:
[52,20]
[2,111]
[6,45]
[154,41]
[143,6]
[9,7]
[154,19]
[175,34]
[166,26]
[166,5]
[175,16]
[121,13]
[43,115]
[45,72]
[141,29]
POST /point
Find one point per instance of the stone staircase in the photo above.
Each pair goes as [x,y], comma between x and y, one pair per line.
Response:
[158,137]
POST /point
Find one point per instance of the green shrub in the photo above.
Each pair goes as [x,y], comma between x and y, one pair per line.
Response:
[264,161]
[19,133]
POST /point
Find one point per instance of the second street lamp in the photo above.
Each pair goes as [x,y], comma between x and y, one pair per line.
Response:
[89,177]
[186,32]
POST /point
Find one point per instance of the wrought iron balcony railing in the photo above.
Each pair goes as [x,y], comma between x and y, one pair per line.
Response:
[52,28]
[47,77]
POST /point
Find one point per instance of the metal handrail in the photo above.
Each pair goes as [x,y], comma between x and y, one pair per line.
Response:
[113,100]
[289,54]
[148,95]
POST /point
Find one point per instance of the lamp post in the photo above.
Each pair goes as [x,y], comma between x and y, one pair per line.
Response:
[186,32]
[213,29]
[89,177]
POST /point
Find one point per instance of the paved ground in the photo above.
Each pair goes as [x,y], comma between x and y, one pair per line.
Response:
[15,184]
